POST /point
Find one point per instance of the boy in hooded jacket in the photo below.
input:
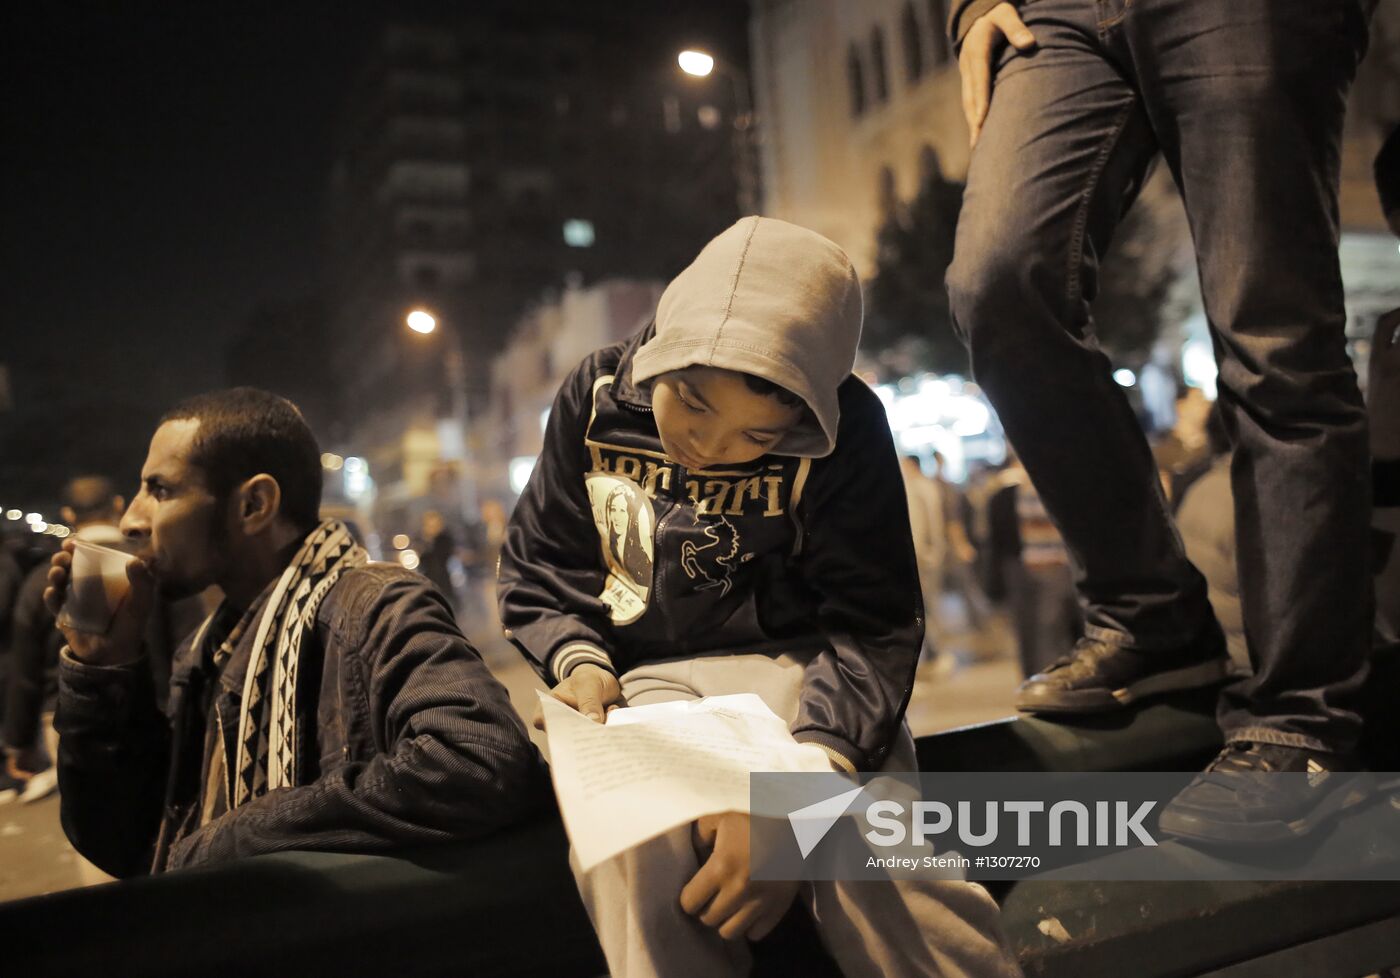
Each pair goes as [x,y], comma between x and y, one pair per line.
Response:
[718,508]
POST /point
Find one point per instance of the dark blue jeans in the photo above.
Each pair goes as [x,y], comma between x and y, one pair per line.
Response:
[1245,100]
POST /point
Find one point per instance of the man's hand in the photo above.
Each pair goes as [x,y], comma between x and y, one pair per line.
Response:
[1383,387]
[590,689]
[721,894]
[984,39]
[122,642]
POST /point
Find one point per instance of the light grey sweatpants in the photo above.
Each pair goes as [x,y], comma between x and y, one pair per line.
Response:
[874,929]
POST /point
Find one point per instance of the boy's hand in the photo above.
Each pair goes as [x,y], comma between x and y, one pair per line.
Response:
[721,894]
[984,39]
[590,689]
[122,642]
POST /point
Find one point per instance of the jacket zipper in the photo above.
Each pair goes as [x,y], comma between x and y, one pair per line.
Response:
[659,563]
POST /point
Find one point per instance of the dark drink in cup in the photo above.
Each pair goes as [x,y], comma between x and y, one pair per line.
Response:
[97,586]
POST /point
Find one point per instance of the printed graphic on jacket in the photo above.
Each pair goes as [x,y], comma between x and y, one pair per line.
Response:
[713,562]
[626,527]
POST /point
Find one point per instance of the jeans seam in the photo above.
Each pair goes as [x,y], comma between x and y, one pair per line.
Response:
[1105,23]
[1081,217]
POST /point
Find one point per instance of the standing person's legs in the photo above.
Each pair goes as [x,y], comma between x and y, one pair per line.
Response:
[1020,601]
[1251,95]
[1052,611]
[930,585]
[1065,145]
[1249,99]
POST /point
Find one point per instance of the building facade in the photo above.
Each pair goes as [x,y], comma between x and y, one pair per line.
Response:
[547,344]
[856,101]
[490,157]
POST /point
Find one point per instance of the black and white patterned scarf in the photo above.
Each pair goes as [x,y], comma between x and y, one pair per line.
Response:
[267,721]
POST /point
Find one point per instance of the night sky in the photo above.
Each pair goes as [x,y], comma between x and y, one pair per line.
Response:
[164,173]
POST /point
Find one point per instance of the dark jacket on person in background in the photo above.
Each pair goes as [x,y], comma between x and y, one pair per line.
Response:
[408,740]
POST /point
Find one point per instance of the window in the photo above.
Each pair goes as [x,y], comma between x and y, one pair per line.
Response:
[938,14]
[671,113]
[877,65]
[855,76]
[929,167]
[579,233]
[889,199]
[913,47]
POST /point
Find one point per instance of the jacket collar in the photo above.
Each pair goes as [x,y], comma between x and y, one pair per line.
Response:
[637,395]
[226,627]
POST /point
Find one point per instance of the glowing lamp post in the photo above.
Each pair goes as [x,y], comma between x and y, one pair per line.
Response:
[423,322]
[700,64]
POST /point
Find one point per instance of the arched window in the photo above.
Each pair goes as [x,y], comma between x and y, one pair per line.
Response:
[929,166]
[938,15]
[913,47]
[877,65]
[855,76]
[885,191]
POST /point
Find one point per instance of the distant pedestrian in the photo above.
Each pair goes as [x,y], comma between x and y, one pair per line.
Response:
[93,507]
[437,555]
[927,523]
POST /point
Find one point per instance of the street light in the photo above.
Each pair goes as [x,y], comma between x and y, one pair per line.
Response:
[696,63]
[423,322]
[701,64]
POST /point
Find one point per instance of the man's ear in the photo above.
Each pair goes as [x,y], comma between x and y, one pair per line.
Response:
[259,502]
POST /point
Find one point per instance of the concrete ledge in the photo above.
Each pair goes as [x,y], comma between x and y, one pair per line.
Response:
[507,905]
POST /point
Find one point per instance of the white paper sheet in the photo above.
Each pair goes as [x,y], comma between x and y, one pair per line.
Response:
[652,768]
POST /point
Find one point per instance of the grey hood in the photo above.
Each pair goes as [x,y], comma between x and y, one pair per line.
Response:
[771,299]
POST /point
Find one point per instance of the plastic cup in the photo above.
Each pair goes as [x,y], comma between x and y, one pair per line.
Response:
[97,586]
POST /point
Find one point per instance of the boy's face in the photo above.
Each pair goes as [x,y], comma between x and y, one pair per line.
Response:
[708,417]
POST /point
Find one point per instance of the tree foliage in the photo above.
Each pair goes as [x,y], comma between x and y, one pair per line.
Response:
[908,324]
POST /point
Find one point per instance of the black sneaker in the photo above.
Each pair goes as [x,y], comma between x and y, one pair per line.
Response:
[1263,794]
[1100,676]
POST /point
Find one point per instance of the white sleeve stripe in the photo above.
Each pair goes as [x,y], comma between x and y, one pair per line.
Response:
[572,655]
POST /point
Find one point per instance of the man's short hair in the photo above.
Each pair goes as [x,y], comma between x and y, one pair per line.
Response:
[1388,172]
[90,497]
[243,432]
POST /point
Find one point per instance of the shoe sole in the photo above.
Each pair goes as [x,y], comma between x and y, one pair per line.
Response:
[1198,828]
[1106,700]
